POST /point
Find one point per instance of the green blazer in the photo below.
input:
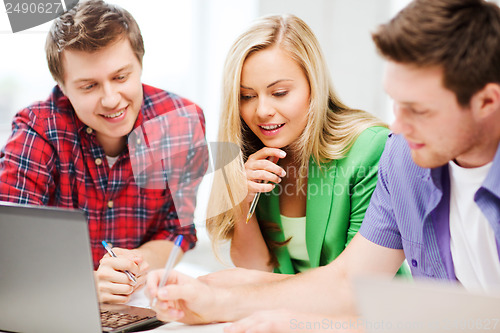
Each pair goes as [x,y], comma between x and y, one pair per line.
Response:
[338,194]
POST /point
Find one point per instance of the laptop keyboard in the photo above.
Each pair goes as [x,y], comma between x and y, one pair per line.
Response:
[114,320]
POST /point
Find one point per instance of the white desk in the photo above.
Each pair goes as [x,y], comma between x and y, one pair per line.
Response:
[178,327]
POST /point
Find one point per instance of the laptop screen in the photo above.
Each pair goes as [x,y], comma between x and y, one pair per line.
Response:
[46,273]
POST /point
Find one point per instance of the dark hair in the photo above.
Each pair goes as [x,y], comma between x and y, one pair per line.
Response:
[460,36]
[90,26]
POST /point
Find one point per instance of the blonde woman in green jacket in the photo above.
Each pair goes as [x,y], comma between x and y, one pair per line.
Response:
[313,158]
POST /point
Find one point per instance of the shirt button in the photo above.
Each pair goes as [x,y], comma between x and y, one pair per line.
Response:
[89,130]
[98,161]
[414,263]
[110,204]
[138,141]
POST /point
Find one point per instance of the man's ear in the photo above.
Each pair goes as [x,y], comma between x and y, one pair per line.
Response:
[486,101]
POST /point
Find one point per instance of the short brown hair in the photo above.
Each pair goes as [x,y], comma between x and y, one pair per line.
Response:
[90,26]
[460,36]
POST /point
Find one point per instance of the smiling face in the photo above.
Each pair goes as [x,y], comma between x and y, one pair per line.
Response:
[428,115]
[105,90]
[274,97]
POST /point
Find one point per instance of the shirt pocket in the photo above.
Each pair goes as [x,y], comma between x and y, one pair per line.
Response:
[416,257]
[152,202]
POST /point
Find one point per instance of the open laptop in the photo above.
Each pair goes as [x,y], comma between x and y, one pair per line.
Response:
[424,306]
[46,275]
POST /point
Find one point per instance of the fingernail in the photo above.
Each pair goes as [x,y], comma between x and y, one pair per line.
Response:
[282,154]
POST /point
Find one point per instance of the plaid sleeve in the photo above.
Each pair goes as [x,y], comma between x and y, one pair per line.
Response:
[25,164]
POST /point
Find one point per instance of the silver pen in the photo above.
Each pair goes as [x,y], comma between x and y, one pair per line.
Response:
[253,206]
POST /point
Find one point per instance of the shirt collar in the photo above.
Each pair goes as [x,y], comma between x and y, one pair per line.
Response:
[64,106]
[492,181]
[140,118]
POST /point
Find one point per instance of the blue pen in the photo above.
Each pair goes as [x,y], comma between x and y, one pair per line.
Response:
[170,262]
[111,253]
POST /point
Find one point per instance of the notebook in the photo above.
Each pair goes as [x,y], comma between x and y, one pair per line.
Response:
[426,306]
[46,275]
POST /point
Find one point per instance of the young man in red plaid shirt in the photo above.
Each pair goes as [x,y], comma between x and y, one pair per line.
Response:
[73,150]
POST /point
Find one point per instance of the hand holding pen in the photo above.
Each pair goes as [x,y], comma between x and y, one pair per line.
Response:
[111,253]
[261,169]
[172,258]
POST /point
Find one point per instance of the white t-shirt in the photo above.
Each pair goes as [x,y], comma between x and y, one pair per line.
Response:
[473,246]
[295,228]
[112,160]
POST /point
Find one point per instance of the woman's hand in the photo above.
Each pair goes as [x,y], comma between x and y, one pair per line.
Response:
[248,247]
[262,171]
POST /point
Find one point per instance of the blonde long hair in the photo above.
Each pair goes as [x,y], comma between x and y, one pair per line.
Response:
[331,129]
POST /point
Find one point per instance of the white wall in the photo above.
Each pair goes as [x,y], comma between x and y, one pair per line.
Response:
[343,30]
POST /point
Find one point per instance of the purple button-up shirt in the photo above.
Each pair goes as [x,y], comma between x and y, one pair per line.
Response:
[410,209]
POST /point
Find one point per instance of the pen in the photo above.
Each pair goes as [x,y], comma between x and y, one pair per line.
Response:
[170,262]
[255,200]
[253,206]
[111,253]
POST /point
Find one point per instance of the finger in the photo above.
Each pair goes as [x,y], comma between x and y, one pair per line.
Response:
[113,299]
[264,164]
[120,264]
[141,282]
[267,152]
[116,288]
[144,269]
[153,280]
[133,255]
[263,176]
[254,187]
[166,312]
[176,292]
[107,274]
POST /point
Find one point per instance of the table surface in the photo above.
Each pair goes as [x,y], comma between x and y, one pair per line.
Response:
[178,327]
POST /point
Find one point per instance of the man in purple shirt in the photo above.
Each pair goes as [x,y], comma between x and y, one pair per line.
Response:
[437,200]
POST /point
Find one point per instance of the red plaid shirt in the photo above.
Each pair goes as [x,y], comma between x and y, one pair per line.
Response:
[53,159]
